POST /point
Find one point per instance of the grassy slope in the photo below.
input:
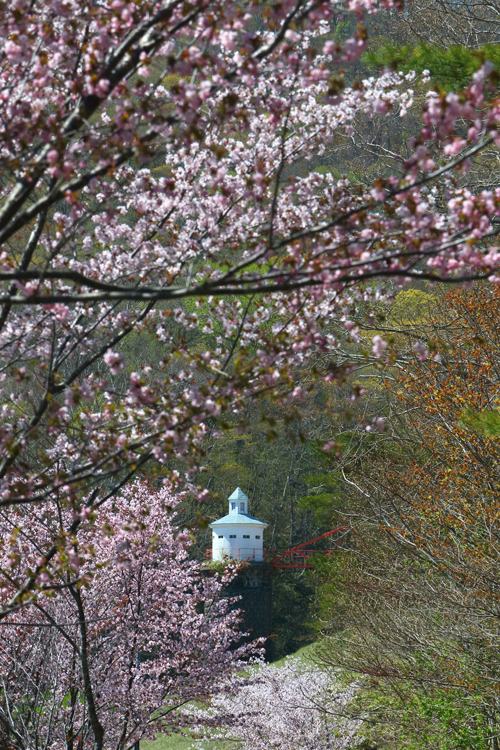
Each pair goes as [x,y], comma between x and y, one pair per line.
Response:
[172,742]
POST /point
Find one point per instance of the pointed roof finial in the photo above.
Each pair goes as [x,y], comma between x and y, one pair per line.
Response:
[238,494]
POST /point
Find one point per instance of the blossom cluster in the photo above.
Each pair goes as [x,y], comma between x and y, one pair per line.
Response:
[173,243]
[287,708]
[135,630]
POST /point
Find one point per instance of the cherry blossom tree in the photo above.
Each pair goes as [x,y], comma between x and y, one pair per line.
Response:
[170,247]
[134,632]
[294,706]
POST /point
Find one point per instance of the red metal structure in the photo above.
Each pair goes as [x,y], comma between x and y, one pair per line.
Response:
[239,553]
[299,556]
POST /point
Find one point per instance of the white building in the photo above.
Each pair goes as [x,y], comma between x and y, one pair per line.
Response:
[238,536]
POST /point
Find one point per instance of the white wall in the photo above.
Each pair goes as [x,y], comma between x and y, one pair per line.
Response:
[235,544]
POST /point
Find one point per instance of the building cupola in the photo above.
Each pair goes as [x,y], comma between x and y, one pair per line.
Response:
[238,536]
[238,502]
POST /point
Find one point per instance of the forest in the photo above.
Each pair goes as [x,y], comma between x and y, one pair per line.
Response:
[249,244]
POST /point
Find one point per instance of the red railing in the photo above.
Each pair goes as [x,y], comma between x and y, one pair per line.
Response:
[239,553]
[296,557]
[299,555]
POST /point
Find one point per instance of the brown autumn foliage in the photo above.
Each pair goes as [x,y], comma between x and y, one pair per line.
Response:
[420,603]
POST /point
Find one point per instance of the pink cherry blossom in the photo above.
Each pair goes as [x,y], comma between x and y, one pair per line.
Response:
[379,346]
[135,631]
[161,196]
[114,361]
[421,350]
[298,705]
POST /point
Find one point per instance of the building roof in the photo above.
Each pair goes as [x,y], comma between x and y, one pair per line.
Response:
[238,494]
[238,519]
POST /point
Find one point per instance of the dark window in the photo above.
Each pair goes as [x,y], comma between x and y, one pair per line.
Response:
[233,506]
[242,506]
[246,536]
[232,536]
[221,536]
[257,536]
